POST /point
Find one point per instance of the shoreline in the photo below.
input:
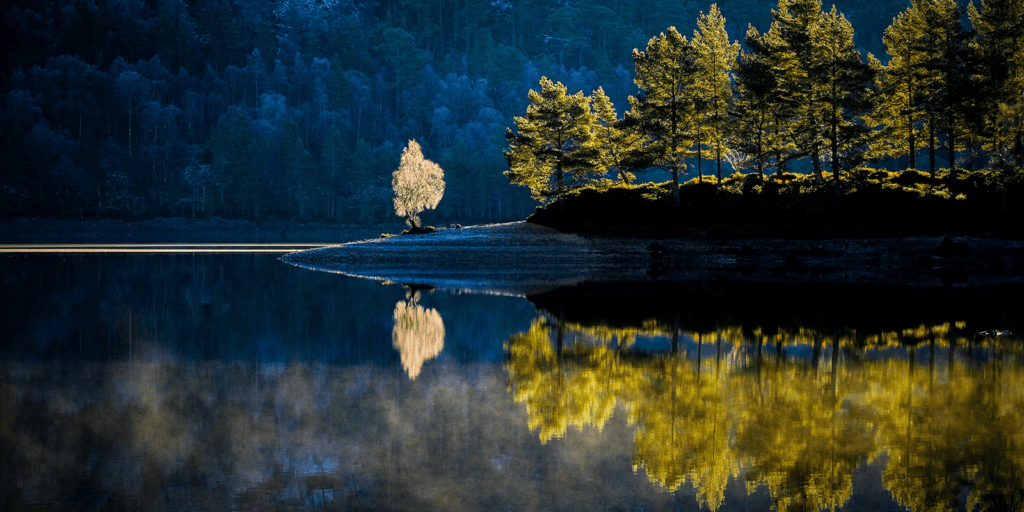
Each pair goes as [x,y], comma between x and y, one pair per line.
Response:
[178,229]
[520,258]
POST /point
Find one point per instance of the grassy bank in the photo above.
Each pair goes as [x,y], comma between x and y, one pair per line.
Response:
[873,203]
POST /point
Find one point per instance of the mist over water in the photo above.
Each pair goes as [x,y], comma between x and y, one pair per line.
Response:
[185,381]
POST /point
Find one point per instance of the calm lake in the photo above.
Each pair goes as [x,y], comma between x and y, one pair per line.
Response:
[218,377]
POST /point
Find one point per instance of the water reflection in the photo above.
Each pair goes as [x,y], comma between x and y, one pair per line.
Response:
[418,334]
[181,382]
[795,410]
[168,435]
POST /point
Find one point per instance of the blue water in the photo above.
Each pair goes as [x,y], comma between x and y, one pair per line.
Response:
[185,381]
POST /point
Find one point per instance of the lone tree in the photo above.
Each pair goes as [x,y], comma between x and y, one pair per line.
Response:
[418,184]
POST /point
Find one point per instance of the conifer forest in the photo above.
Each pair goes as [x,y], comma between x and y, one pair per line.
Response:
[299,110]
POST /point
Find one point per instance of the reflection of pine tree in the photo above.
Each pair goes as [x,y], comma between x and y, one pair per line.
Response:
[684,429]
[560,388]
[803,436]
[418,334]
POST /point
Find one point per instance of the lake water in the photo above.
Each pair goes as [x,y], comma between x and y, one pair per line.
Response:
[230,380]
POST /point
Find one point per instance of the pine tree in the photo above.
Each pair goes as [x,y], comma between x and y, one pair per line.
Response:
[714,60]
[1000,49]
[554,149]
[335,168]
[398,50]
[614,142]
[948,98]
[899,104]
[792,24]
[418,184]
[266,43]
[297,168]
[237,166]
[843,80]
[663,113]
[752,129]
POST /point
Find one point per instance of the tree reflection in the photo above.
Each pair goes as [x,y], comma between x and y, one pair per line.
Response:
[418,334]
[559,390]
[684,428]
[799,424]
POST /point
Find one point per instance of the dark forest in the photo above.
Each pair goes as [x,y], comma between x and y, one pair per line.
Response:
[298,111]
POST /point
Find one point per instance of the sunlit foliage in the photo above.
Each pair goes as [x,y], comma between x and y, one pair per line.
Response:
[663,114]
[715,60]
[800,430]
[418,184]
[554,148]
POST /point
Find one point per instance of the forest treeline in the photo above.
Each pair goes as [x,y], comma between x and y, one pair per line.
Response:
[802,90]
[284,110]
[296,110]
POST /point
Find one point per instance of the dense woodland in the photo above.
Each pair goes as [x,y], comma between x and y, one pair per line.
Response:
[299,110]
[801,90]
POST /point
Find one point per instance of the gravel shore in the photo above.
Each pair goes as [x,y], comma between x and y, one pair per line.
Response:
[520,259]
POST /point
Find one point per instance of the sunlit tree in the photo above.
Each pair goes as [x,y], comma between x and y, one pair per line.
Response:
[949,100]
[1000,52]
[715,57]
[804,126]
[663,113]
[418,184]
[899,103]
[842,80]
[553,149]
[614,142]
[754,126]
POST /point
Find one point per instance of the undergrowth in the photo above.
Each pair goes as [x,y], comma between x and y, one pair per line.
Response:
[872,202]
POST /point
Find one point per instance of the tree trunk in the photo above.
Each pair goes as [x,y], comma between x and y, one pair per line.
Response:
[816,160]
[913,147]
[718,158]
[700,170]
[675,184]
[835,156]
[951,142]
[931,147]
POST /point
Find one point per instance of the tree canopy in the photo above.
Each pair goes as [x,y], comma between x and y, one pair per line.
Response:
[418,184]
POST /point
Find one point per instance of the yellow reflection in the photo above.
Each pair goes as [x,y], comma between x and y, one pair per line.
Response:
[418,334]
[800,430]
[560,388]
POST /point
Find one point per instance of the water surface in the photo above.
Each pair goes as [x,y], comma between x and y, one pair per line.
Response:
[216,380]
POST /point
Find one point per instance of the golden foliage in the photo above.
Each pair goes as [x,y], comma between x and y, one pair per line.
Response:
[799,430]
[418,335]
